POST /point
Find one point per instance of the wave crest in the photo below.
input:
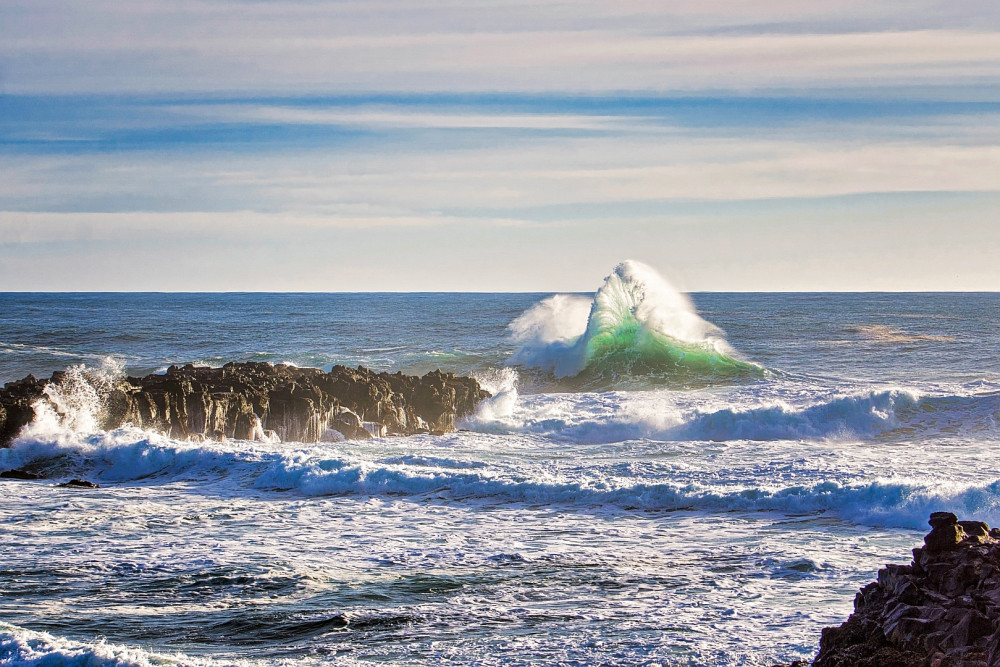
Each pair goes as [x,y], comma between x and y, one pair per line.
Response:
[125,456]
[636,324]
[25,648]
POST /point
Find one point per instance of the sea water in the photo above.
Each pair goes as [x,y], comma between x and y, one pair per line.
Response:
[657,479]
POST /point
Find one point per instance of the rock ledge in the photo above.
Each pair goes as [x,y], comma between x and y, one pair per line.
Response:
[248,401]
[941,610]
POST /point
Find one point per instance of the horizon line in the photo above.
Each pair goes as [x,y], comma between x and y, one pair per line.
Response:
[420,292]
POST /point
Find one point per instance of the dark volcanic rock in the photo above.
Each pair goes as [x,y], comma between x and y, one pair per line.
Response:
[16,400]
[941,610]
[79,484]
[18,474]
[257,401]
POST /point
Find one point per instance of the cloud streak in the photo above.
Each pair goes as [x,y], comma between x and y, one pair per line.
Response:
[770,145]
[56,46]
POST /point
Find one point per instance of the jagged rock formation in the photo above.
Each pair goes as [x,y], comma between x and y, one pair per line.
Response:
[251,401]
[16,409]
[942,610]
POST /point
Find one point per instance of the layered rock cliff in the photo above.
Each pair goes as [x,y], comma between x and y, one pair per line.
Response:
[249,401]
[941,610]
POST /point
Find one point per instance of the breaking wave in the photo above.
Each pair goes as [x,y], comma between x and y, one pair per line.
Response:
[133,456]
[619,416]
[858,417]
[636,324]
[24,648]
[120,457]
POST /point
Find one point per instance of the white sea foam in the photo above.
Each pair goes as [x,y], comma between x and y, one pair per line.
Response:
[64,440]
[885,502]
[617,416]
[502,384]
[128,455]
[23,648]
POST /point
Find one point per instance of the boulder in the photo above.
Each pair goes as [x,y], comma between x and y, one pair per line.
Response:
[16,406]
[941,610]
[79,484]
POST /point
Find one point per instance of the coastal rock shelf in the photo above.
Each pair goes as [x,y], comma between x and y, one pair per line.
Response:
[248,401]
[942,610]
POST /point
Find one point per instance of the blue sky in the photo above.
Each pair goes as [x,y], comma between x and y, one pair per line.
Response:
[384,145]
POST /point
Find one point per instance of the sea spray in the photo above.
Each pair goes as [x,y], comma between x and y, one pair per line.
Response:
[502,384]
[636,324]
[75,404]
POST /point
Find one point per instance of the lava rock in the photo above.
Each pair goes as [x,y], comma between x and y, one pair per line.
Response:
[975,528]
[19,474]
[941,610]
[944,537]
[940,519]
[17,401]
[78,484]
[258,401]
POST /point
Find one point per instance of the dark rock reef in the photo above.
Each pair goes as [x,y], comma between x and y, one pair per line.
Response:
[79,484]
[19,474]
[941,610]
[250,401]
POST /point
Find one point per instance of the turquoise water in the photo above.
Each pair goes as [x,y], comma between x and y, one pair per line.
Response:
[624,513]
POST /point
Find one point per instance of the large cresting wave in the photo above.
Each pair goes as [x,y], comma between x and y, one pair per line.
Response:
[636,325]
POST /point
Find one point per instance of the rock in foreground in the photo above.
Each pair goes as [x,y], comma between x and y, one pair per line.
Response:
[942,610]
[248,401]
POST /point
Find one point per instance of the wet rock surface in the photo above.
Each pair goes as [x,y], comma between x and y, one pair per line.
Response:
[252,401]
[79,484]
[16,401]
[941,610]
[19,474]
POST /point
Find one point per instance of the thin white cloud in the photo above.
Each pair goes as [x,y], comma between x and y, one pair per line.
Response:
[192,46]
[898,245]
[363,213]
[376,118]
[373,185]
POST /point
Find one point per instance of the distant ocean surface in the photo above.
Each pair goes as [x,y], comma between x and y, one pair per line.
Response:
[655,481]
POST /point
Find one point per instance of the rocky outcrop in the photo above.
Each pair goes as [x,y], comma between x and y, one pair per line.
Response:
[78,484]
[250,401]
[941,610]
[16,401]
[19,474]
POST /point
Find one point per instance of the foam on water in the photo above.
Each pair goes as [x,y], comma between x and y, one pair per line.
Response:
[130,455]
[636,324]
[23,648]
[617,416]
[701,522]
[64,438]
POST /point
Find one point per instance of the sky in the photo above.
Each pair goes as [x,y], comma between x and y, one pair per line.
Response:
[389,145]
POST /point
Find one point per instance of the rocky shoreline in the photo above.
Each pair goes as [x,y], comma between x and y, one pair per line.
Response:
[941,610]
[247,401]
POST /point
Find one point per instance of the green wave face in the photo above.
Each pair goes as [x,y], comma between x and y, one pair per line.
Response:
[629,348]
[639,331]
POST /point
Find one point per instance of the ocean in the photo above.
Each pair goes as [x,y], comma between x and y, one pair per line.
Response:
[658,479]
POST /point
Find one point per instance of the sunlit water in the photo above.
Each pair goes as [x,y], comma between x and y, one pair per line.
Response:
[619,517]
